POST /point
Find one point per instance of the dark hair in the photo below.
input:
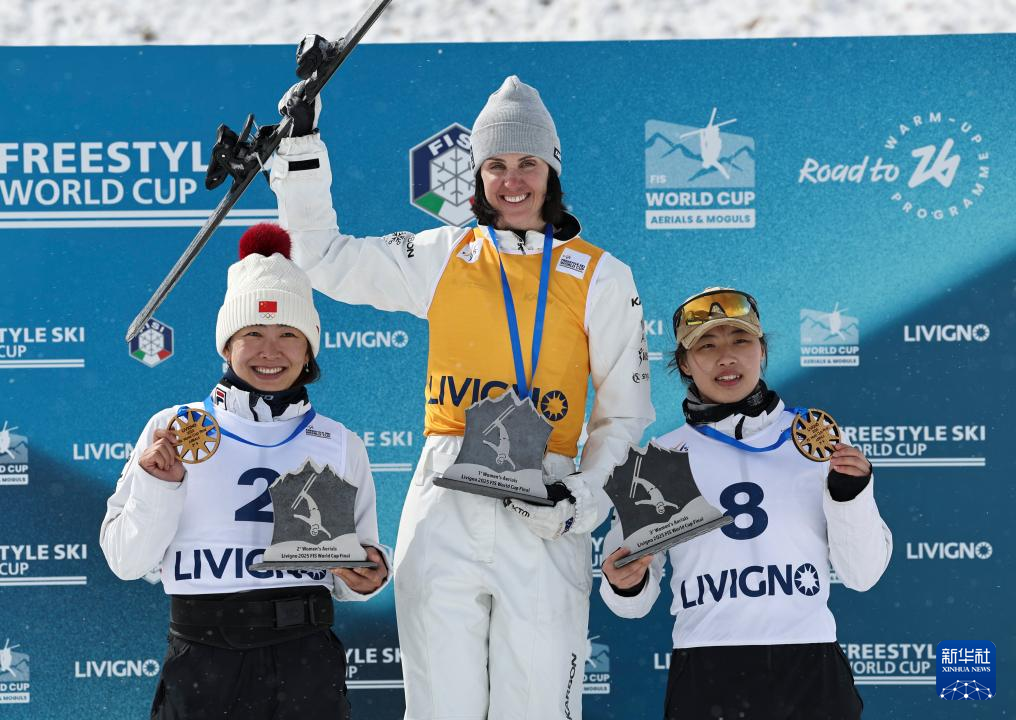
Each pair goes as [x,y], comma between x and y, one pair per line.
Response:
[681,354]
[553,209]
[311,374]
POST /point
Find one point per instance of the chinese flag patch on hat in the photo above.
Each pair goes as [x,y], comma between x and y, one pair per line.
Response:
[268,306]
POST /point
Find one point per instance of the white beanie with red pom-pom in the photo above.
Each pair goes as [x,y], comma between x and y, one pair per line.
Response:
[267,288]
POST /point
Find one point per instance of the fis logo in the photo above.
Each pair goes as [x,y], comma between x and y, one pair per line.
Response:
[447,389]
[15,676]
[829,339]
[752,581]
[596,679]
[13,456]
[699,177]
[441,176]
[153,344]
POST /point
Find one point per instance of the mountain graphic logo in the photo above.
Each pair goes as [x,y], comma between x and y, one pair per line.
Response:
[833,327]
[13,665]
[698,157]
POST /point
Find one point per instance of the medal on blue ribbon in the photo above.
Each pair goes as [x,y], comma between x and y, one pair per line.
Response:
[198,434]
[814,433]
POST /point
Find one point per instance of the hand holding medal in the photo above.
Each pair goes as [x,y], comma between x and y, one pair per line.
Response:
[160,459]
[815,434]
[197,435]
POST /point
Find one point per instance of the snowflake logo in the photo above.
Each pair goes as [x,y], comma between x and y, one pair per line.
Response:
[441,176]
[153,344]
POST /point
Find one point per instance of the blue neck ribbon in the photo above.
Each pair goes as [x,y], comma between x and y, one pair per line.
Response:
[715,434]
[541,308]
[308,417]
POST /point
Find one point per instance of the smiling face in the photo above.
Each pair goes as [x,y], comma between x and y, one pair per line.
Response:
[268,357]
[725,363]
[516,186]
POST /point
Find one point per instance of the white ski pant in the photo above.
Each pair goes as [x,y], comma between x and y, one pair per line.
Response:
[492,619]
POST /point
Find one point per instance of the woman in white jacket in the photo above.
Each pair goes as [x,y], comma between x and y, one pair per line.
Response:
[249,643]
[492,598]
[753,633]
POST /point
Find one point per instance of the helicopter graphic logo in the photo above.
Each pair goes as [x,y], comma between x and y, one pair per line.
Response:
[829,337]
[5,440]
[710,144]
[699,175]
[13,456]
[6,658]
[13,669]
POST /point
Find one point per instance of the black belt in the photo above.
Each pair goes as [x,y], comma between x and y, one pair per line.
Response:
[310,609]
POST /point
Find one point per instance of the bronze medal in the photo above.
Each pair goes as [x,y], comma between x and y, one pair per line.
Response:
[198,433]
[815,434]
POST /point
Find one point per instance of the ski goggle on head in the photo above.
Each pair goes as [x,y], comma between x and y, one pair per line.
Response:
[712,307]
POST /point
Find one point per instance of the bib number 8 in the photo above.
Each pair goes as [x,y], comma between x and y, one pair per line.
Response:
[752,508]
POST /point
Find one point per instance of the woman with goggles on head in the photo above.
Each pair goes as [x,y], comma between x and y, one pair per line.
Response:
[754,636]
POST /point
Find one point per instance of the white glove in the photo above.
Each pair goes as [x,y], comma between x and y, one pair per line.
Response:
[547,522]
[576,513]
[586,507]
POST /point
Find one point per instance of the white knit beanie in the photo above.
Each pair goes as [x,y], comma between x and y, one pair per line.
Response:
[515,120]
[267,288]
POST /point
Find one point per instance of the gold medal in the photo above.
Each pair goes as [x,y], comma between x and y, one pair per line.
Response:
[815,434]
[198,434]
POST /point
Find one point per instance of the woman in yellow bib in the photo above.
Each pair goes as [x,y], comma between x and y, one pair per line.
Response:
[492,596]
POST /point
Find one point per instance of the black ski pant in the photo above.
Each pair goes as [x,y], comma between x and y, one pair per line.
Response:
[761,682]
[300,679]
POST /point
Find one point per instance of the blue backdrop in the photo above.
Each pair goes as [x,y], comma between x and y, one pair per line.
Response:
[863,191]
